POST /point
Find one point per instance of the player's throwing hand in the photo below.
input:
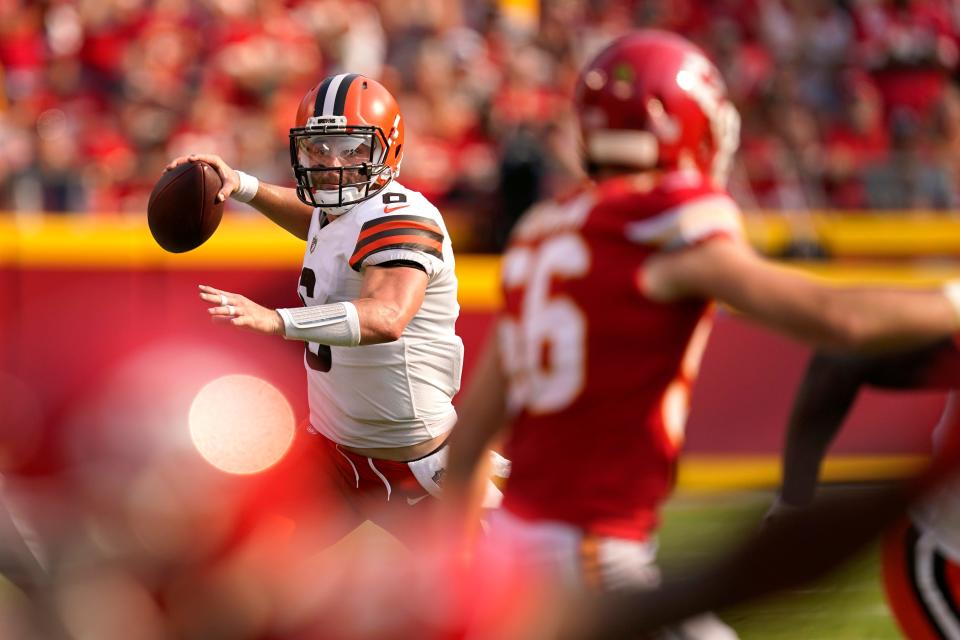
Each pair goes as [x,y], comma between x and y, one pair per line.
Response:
[235,309]
[228,175]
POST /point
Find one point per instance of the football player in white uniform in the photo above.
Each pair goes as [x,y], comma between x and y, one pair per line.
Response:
[921,554]
[379,293]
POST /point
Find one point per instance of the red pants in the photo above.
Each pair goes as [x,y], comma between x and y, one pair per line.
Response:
[394,495]
[371,483]
[321,483]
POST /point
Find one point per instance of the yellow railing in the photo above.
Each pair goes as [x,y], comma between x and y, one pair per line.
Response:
[249,242]
[729,472]
[240,243]
[856,234]
[118,238]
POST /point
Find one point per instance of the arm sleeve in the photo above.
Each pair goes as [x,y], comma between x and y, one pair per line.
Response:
[389,264]
[415,238]
[689,224]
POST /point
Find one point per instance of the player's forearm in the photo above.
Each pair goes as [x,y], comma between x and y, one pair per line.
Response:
[380,321]
[466,478]
[833,317]
[874,319]
[341,324]
[389,298]
[468,446]
[795,304]
[282,206]
[843,318]
[482,414]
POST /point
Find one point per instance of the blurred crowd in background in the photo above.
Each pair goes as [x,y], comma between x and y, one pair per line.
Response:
[846,104]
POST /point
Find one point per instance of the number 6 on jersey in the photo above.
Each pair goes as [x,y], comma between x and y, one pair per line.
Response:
[545,348]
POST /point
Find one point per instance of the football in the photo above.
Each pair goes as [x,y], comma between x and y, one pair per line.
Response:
[182,211]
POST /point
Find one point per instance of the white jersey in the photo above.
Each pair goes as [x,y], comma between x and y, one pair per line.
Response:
[397,393]
[939,515]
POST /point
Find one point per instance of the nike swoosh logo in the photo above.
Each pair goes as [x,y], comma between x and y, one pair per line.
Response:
[413,501]
[392,209]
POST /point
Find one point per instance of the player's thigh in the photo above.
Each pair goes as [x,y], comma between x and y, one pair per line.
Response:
[563,553]
[309,489]
[554,554]
[407,522]
[403,504]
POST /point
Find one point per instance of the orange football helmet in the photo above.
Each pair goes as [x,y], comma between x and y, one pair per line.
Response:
[347,143]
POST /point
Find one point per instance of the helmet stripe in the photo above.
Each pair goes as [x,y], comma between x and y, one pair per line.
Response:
[321,93]
[342,94]
[331,94]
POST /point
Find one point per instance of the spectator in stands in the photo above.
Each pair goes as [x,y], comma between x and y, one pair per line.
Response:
[910,48]
[854,140]
[488,92]
[910,177]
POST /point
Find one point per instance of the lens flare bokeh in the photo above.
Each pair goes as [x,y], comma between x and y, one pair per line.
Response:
[241,424]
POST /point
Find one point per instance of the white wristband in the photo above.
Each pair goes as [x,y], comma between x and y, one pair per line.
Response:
[248,187]
[951,290]
[336,324]
[501,466]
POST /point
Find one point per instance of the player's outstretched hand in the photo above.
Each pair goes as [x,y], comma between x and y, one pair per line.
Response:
[232,308]
[228,175]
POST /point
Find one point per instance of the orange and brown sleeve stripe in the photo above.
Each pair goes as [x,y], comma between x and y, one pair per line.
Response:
[415,233]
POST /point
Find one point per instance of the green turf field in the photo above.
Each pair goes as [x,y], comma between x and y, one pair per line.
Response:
[846,606]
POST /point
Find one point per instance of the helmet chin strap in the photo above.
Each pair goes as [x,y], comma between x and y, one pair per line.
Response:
[351,196]
[332,196]
[339,211]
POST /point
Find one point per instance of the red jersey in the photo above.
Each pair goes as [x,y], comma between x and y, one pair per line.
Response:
[599,374]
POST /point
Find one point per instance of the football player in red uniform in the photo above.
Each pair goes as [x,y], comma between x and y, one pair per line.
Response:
[608,295]
[921,552]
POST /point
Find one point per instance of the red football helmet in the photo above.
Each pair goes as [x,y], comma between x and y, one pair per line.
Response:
[347,143]
[653,100]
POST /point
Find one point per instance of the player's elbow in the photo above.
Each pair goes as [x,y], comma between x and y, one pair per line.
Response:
[392,331]
[381,334]
[381,321]
[391,326]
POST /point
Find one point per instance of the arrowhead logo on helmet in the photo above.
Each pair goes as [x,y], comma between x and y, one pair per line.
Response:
[347,143]
[653,100]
